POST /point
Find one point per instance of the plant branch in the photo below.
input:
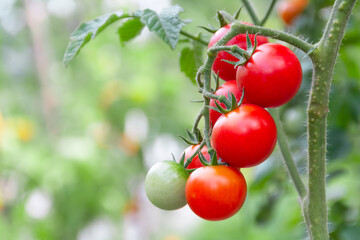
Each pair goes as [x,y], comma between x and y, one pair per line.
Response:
[287,156]
[268,12]
[186,34]
[251,12]
[323,58]
[237,28]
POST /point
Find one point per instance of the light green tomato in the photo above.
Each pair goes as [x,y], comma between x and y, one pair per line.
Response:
[165,185]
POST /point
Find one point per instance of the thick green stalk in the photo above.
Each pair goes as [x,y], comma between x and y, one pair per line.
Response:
[323,58]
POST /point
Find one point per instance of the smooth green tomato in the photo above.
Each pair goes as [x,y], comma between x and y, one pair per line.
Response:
[165,185]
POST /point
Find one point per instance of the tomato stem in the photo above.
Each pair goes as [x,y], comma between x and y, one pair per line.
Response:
[198,39]
[251,12]
[269,10]
[324,59]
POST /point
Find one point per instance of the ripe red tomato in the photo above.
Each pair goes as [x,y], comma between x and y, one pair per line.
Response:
[244,137]
[224,89]
[226,70]
[195,163]
[290,9]
[271,77]
[215,192]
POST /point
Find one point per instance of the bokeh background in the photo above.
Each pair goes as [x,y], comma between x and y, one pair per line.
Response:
[76,142]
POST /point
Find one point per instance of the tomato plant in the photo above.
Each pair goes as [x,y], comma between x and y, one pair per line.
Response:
[224,89]
[244,137]
[216,192]
[195,162]
[271,77]
[165,185]
[226,70]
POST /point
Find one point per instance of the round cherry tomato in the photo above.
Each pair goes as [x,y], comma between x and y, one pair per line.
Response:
[290,9]
[271,77]
[165,185]
[195,162]
[216,192]
[244,137]
[226,70]
[224,89]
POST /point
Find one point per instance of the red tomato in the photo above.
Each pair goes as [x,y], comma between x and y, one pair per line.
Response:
[224,89]
[195,163]
[244,137]
[226,70]
[271,77]
[289,10]
[215,192]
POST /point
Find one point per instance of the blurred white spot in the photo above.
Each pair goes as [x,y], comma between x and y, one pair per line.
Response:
[17,62]
[161,148]
[156,5]
[76,148]
[38,205]
[61,8]
[100,229]
[12,20]
[136,125]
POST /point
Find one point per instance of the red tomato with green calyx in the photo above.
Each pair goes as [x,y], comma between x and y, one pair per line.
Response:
[224,89]
[271,77]
[226,70]
[244,137]
[216,192]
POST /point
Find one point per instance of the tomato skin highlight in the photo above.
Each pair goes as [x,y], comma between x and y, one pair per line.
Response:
[195,162]
[165,185]
[224,89]
[244,137]
[271,77]
[216,192]
[227,71]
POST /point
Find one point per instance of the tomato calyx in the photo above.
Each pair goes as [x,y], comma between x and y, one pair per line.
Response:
[229,101]
[194,137]
[224,18]
[241,54]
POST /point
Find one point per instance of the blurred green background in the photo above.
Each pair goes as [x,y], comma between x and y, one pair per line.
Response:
[76,142]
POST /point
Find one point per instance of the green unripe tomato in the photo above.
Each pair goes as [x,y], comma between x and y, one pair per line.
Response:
[165,185]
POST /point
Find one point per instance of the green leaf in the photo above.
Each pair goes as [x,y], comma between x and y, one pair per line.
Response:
[87,31]
[187,63]
[130,29]
[166,24]
[191,59]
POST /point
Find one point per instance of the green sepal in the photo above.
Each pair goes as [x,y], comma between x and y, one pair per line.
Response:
[210,29]
[182,159]
[242,97]
[224,18]
[214,159]
[217,82]
[203,159]
[237,13]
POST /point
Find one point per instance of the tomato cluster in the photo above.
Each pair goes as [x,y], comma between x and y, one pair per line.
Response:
[243,137]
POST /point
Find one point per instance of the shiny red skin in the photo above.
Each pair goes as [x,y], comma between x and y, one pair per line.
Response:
[224,89]
[244,137]
[215,192]
[195,163]
[227,71]
[271,77]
